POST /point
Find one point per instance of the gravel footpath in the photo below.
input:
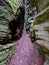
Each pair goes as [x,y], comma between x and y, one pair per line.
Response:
[27,53]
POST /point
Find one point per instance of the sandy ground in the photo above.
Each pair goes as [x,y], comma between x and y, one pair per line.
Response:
[27,53]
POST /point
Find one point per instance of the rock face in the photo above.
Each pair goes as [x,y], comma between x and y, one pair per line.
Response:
[43,4]
[27,53]
[41,27]
[7,13]
[6,53]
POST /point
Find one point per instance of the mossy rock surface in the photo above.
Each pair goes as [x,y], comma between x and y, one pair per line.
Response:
[8,9]
[40,26]
[6,52]
[41,4]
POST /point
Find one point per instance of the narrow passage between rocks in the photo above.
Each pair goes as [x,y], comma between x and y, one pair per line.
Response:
[27,53]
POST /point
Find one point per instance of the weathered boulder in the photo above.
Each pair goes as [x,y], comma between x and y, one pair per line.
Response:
[40,25]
